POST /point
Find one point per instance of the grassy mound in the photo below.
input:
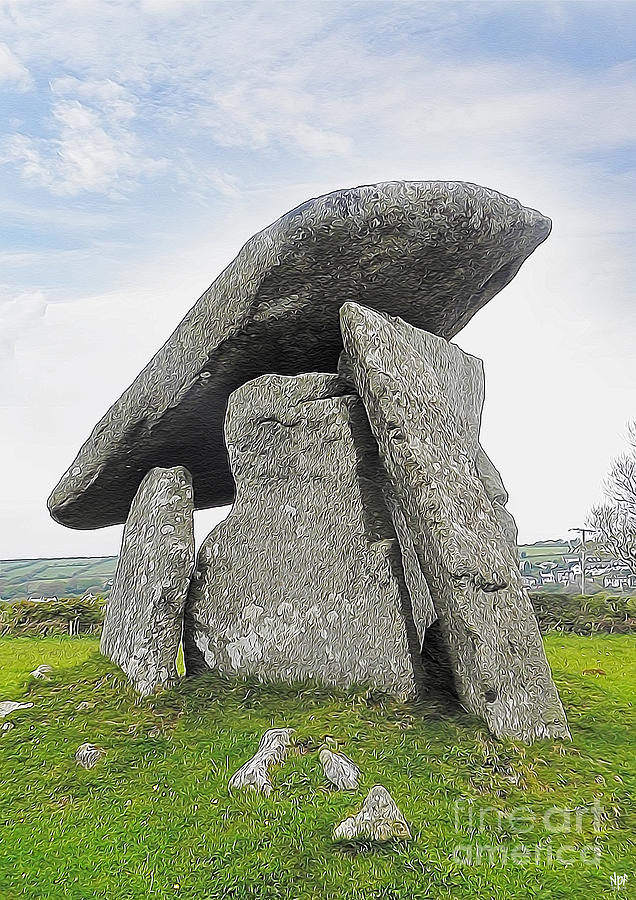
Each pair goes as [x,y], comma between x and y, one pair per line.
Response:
[154,818]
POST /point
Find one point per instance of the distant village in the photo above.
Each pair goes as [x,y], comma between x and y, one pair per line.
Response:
[601,573]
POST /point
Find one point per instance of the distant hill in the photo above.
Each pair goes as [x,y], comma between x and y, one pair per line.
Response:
[545,551]
[554,551]
[72,577]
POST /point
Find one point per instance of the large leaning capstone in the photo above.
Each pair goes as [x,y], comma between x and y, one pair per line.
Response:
[486,623]
[304,578]
[431,252]
[144,615]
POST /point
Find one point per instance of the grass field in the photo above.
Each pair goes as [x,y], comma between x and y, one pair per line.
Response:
[548,551]
[154,818]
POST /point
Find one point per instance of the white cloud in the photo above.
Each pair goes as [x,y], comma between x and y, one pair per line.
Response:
[318,142]
[13,73]
[93,150]
[313,83]
[266,108]
[112,99]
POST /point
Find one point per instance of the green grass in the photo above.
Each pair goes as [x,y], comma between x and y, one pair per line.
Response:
[549,551]
[154,818]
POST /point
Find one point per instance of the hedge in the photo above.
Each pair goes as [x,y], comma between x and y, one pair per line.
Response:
[26,617]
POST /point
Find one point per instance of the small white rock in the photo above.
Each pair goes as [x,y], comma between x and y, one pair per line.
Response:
[9,706]
[272,749]
[42,671]
[88,755]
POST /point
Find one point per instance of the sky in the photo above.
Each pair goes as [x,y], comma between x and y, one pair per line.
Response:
[142,143]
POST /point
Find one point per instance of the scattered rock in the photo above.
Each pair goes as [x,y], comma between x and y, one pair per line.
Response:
[9,706]
[378,820]
[88,755]
[272,749]
[304,579]
[144,615]
[432,252]
[7,726]
[486,626]
[42,671]
[339,770]
[84,705]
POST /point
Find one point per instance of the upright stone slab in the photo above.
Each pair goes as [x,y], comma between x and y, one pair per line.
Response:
[304,578]
[433,252]
[462,382]
[144,615]
[486,623]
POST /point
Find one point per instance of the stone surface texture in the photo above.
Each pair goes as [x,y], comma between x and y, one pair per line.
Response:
[462,382]
[487,626]
[272,750]
[461,379]
[339,770]
[432,252]
[304,578]
[144,615]
[379,820]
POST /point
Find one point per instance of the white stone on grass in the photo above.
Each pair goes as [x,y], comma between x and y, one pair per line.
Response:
[9,706]
[88,755]
[42,671]
[339,770]
[378,820]
[272,750]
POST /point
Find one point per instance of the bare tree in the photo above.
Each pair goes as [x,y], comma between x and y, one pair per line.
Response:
[615,520]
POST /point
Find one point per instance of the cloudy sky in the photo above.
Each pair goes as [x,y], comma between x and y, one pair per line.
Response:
[143,142]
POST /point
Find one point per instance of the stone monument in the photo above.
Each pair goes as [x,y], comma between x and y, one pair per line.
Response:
[369,540]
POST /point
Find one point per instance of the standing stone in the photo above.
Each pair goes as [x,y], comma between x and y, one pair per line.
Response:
[486,624]
[304,578]
[144,615]
[462,382]
[433,252]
